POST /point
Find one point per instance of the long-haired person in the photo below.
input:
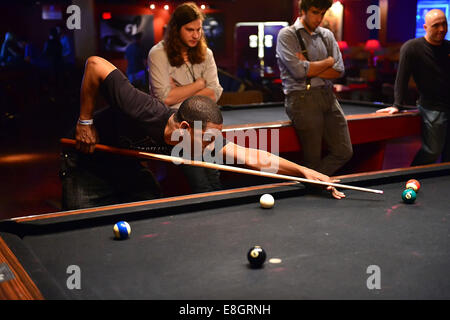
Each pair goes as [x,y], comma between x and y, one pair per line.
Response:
[182,66]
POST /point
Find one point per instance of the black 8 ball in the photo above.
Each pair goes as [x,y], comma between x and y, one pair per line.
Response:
[256,256]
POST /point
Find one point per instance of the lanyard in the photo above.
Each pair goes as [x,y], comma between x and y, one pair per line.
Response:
[191,71]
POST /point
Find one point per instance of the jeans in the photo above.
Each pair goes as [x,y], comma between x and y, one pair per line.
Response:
[98,180]
[318,119]
[202,179]
[435,137]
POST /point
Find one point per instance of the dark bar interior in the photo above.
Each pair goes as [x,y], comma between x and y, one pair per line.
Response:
[40,98]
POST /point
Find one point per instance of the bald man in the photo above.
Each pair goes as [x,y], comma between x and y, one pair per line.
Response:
[427,59]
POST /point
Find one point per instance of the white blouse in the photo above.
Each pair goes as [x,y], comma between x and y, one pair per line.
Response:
[160,73]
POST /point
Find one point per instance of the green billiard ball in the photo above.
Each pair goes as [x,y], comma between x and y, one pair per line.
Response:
[409,196]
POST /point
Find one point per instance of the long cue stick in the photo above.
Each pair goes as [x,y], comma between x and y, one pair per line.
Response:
[148,155]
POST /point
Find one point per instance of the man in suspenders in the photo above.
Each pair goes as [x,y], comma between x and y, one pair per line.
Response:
[309,57]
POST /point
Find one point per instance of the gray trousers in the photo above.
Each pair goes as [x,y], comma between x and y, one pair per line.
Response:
[319,120]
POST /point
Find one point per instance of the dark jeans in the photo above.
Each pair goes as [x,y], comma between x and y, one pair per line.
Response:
[435,137]
[318,119]
[99,180]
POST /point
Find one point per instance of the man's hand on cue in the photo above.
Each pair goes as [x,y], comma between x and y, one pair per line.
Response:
[314,175]
[86,137]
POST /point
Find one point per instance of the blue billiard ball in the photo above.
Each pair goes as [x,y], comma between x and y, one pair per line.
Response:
[122,230]
[409,196]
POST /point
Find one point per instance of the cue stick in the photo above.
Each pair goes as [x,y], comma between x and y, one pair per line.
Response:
[148,155]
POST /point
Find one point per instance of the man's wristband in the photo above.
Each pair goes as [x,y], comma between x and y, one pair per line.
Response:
[86,122]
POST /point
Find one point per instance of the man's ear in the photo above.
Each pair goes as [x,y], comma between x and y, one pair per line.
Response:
[184,125]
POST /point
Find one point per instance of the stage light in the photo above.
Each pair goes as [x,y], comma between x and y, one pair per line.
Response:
[343,45]
[106,15]
[152,6]
[268,40]
[253,41]
[166,7]
[372,45]
[203,7]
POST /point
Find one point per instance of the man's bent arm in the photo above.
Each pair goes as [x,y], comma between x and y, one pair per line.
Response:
[181,93]
[95,71]
[318,67]
[329,73]
[208,92]
[402,78]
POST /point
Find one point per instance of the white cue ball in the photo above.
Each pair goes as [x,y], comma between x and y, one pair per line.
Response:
[267,201]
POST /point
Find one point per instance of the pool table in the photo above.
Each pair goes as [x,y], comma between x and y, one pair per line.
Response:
[194,247]
[242,114]
[369,131]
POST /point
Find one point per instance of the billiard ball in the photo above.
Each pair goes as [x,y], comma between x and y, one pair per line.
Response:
[266,201]
[256,256]
[122,230]
[409,196]
[413,184]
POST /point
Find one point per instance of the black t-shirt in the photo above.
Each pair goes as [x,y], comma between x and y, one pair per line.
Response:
[430,67]
[133,118]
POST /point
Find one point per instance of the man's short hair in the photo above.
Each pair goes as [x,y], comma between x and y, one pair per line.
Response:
[304,5]
[199,108]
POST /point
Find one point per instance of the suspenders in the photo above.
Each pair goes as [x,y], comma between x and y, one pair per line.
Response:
[305,52]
